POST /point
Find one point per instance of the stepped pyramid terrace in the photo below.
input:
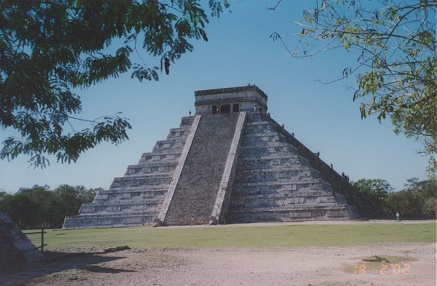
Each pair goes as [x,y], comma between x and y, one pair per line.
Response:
[228,163]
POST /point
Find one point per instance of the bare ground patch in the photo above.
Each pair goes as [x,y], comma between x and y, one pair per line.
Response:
[412,264]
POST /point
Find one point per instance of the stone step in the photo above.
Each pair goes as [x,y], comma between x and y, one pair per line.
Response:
[269,215]
[126,199]
[270,194]
[278,200]
[165,146]
[133,181]
[144,188]
[159,157]
[248,194]
[287,207]
[105,221]
[120,209]
[299,183]
[291,183]
[179,132]
[151,167]
[138,191]
[114,215]
[291,173]
[263,151]
[274,160]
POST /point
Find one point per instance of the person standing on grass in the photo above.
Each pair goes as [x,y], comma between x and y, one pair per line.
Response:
[397,217]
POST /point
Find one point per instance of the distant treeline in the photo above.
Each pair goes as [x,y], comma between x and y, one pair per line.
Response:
[39,206]
[417,200]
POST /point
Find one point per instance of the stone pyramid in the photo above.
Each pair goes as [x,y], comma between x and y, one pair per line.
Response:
[228,163]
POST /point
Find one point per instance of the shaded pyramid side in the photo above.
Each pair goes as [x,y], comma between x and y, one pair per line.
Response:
[15,247]
[136,198]
[277,181]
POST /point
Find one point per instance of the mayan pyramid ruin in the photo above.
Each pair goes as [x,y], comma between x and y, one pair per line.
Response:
[228,163]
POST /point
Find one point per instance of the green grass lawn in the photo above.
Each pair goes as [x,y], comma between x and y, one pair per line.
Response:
[248,236]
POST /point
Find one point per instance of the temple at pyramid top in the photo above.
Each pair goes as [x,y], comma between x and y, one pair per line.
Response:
[230,100]
[228,163]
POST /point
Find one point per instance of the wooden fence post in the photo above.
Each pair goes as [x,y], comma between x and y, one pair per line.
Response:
[42,239]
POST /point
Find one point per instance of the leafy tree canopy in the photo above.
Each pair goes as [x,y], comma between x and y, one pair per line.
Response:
[426,194]
[418,199]
[41,207]
[376,189]
[396,68]
[48,48]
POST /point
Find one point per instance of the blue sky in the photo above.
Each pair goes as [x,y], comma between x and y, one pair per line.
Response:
[239,52]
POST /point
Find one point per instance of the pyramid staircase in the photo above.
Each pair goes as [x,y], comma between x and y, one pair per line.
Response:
[197,188]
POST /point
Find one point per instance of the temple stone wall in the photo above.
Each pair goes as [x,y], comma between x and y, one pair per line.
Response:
[247,97]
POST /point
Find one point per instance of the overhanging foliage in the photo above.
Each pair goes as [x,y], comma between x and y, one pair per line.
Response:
[48,48]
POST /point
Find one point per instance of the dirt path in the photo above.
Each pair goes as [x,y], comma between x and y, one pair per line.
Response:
[290,266]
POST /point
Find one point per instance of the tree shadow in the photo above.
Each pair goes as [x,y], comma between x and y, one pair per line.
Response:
[58,262]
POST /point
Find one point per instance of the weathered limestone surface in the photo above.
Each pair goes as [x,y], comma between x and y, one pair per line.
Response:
[136,198]
[15,247]
[199,182]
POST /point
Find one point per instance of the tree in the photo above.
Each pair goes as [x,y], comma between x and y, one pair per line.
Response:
[375,189]
[42,202]
[39,206]
[21,209]
[70,199]
[417,199]
[48,48]
[395,44]
[405,202]
[426,193]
